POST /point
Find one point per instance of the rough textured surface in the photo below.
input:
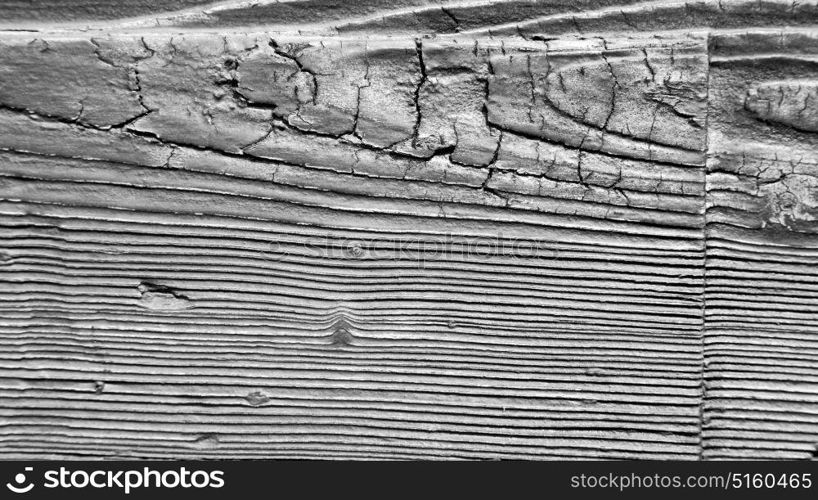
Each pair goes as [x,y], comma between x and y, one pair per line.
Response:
[762,248]
[507,229]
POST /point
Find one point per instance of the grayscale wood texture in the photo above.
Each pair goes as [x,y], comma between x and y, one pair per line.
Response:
[217,216]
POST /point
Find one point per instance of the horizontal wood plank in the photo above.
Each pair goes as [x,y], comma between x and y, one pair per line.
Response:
[412,230]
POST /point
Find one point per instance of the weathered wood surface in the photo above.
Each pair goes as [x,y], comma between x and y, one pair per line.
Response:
[409,230]
[762,247]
